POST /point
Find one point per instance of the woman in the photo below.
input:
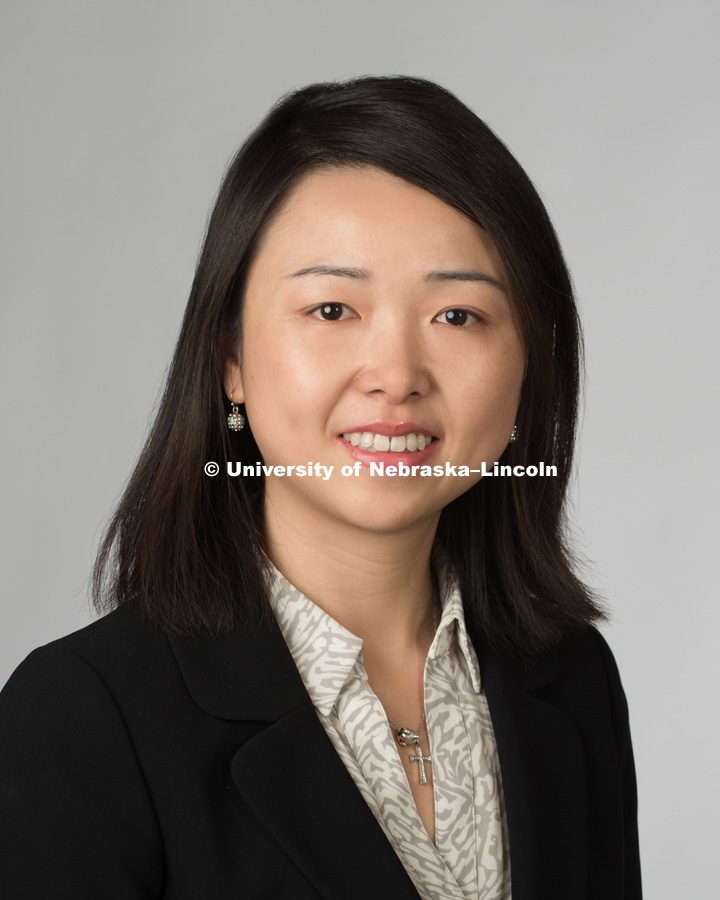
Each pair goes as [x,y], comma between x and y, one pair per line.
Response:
[341,662]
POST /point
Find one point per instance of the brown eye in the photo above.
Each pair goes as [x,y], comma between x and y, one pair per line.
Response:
[329,312]
[458,317]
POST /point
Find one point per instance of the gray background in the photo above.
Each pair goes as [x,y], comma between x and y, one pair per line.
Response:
[118,121]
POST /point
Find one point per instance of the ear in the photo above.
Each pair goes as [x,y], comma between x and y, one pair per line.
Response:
[522,383]
[232,376]
[233,381]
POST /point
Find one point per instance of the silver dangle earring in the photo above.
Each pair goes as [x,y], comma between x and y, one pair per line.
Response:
[236,420]
[513,436]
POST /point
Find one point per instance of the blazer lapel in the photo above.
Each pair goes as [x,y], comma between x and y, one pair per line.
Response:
[543,771]
[289,772]
[293,778]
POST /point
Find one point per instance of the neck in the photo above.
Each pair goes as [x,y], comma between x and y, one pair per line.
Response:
[377,585]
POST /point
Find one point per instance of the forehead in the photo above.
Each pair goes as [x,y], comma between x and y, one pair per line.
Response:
[367,212]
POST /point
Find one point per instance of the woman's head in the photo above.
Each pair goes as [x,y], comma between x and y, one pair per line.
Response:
[419,132]
[505,537]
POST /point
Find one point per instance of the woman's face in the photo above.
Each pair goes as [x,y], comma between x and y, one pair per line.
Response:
[373,308]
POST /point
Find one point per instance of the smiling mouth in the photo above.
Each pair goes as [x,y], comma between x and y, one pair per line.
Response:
[403,443]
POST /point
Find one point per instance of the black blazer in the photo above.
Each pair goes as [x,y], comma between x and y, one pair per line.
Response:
[134,764]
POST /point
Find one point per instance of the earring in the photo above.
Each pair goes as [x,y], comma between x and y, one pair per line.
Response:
[236,420]
[513,436]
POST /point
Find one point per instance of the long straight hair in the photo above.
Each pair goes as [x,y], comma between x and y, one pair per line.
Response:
[190,546]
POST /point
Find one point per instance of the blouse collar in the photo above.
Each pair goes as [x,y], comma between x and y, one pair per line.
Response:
[327,654]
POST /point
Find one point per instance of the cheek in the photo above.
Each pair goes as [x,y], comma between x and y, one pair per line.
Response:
[496,384]
[487,407]
[286,387]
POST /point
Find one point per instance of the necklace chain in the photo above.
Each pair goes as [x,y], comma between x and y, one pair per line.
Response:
[405,736]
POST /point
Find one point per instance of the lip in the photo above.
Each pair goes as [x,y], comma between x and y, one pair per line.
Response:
[389,458]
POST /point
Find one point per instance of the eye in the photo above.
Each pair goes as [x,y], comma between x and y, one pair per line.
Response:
[331,312]
[458,317]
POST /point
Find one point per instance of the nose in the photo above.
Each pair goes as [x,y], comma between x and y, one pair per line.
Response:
[395,364]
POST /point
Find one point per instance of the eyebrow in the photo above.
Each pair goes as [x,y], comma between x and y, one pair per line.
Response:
[364,275]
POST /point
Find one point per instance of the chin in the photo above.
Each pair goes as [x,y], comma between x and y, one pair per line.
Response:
[386,514]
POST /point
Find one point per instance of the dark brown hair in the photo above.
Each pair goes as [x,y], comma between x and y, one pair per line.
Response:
[190,545]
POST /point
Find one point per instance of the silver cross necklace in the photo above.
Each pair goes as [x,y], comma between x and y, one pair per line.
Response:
[408,738]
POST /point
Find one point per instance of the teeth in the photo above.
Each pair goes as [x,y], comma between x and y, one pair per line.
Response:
[367,440]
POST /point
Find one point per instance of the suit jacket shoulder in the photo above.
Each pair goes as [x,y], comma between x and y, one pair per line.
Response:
[561,725]
[65,759]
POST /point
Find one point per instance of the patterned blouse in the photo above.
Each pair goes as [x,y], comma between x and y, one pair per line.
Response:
[470,858]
